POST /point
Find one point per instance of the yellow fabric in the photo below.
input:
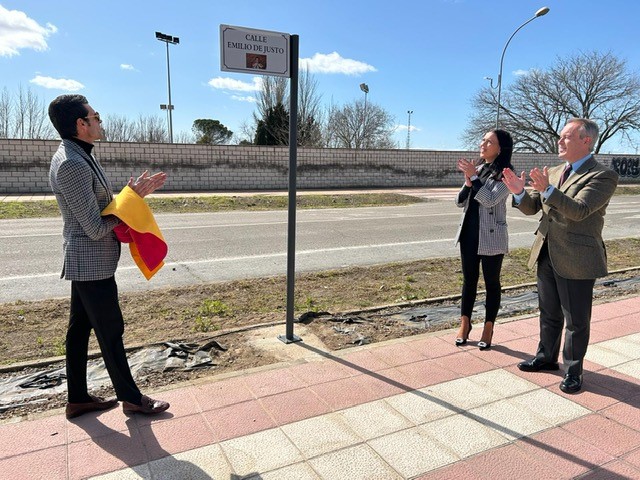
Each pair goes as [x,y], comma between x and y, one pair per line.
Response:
[132,210]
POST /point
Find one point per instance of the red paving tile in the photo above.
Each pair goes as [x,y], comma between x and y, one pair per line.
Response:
[218,394]
[43,464]
[509,462]
[621,386]
[469,363]
[176,435]
[364,361]
[633,458]
[395,356]
[625,413]
[436,347]
[605,434]
[92,426]
[292,406]
[272,381]
[316,372]
[563,451]
[345,393]
[616,470]
[50,431]
[106,454]
[386,382]
[422,374]
[238,420]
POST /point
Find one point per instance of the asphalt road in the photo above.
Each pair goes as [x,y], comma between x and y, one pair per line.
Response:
[233,245]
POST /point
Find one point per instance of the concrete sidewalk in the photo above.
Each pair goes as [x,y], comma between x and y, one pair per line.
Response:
[417,407]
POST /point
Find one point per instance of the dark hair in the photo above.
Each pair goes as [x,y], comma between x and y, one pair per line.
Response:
[64,111]
[503,160]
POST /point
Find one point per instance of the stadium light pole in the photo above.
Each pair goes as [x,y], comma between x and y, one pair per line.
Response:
[365,88]
[168,39]
[409,112]
[542,11]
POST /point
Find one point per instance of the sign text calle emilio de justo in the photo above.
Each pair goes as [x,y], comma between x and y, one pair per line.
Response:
[246,50]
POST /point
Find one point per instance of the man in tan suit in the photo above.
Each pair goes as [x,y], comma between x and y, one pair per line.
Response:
[568,247]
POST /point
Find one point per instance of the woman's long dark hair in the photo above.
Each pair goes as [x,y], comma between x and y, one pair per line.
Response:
[503,160]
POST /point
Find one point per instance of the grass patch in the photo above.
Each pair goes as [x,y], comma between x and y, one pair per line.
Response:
[220,203]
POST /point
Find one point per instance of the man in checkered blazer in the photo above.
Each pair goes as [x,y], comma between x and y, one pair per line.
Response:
[91,254]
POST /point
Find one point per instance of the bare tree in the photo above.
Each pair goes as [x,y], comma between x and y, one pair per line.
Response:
[151,129]
[274,95]
[117,128]
[358,126]
[6,111]
[535,108]
[29,117]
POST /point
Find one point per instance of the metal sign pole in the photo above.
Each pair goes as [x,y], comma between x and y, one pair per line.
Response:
[293,159]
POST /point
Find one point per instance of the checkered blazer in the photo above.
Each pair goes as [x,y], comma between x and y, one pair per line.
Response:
[492,199]
[82,189]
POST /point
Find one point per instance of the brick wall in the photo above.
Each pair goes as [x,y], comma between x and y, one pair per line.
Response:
[24,166]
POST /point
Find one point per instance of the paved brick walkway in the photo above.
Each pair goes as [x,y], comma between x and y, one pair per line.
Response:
[417,407]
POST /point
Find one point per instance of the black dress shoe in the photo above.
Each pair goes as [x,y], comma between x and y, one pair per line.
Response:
[536,365]
[149,406]
[74,410]
[571,383]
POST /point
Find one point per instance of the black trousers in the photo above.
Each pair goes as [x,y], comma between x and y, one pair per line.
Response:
[94,305]
[563,300]
[491,267]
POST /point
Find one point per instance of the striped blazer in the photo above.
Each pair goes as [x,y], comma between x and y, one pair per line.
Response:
[492,200]
[82,190]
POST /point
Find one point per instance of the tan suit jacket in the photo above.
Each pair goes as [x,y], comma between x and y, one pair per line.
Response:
[572,220]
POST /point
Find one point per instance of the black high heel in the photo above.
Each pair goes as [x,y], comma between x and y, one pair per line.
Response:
[463,340]
[482,345]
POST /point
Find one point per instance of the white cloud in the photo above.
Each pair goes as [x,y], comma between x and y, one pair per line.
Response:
[126,66]
[17,31]
[248,98]
[334,63]
[223,83]
[519,73]
[404,127]
[57,83]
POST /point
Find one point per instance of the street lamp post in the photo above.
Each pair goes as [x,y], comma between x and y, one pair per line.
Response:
[409,112]
[542,11]
[365,88]
[169,107]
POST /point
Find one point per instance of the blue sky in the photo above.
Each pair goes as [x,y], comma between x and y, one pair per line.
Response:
[428,56]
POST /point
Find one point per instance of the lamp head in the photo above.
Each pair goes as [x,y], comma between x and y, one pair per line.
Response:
[364,87]
[542,11]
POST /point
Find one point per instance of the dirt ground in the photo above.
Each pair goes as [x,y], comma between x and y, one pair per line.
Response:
[339,307]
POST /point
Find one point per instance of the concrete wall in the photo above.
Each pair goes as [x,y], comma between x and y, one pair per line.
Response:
[24,166]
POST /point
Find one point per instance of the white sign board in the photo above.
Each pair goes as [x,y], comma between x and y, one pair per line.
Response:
[247,50]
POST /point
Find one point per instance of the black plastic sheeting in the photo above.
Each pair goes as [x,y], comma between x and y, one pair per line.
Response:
[32,388]
[36,387]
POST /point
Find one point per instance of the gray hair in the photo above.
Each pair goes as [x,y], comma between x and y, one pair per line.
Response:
[588,128]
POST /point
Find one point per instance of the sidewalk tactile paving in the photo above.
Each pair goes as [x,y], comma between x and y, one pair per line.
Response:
[356,463]
[375,419]
[261,451]
[412,452]
[320,435]
[464,435]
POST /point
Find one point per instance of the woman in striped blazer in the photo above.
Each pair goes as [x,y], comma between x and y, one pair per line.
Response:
[482,233]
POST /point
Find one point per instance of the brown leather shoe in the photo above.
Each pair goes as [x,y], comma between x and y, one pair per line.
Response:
[149,406]
[76,409]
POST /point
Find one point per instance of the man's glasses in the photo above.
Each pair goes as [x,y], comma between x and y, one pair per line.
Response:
[95,115]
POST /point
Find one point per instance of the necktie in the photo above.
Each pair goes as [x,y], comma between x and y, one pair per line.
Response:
[565,174]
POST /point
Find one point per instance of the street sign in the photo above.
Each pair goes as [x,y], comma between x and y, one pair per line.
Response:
[262,52]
